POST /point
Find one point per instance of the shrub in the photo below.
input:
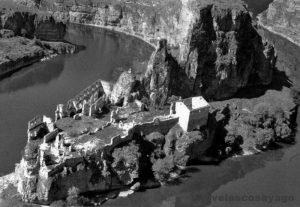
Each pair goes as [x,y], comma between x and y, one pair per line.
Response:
[59,203]
[295,93]
[31,150]
[127,162]
[162,168]
[73,195]
[181,159]
[263,138]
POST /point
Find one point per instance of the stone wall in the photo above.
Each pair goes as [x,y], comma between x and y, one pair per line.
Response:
[95,90]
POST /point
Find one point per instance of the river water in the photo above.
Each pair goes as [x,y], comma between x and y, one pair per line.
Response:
[271,177]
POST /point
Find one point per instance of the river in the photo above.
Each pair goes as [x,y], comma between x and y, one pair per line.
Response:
[272,176]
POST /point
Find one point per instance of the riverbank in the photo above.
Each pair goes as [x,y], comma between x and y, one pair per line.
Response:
[121,30]
[27,36]
[270,29]
[19,52]
[282,18]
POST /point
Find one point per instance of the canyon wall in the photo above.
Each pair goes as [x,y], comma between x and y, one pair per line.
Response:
[28,35]
[30,24]
[213,42]
[283,17]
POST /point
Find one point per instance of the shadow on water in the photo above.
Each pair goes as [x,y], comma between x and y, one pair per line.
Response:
[34,75]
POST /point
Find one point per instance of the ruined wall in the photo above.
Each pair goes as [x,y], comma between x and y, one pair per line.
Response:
[94,90]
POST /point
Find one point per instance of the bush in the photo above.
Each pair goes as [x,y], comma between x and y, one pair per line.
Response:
[31,150]
[127,162]
[265,125]
[59,203]
[73,196]
[162,168]
[181,159]
[295,93]
[263,138]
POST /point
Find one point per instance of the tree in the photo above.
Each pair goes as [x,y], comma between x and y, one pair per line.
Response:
[295,93]
[163,167]
[73,195]
[126,162]
[264,137]
[263,114]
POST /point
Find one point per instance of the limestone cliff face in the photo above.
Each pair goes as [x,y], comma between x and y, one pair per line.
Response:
[123,88]
[214,42]
[283,17]
[30,24]
[27,36]
[222,53]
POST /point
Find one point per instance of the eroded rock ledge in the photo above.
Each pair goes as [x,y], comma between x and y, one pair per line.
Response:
[283,18]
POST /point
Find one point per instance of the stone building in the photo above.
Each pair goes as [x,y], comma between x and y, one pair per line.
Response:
[39,126]
[192,113]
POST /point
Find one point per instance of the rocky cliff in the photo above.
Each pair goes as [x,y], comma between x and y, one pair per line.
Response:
[31,23]
[213,42]
[283,17]
[27,36]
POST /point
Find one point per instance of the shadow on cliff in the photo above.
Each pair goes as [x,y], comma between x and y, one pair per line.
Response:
[279,81]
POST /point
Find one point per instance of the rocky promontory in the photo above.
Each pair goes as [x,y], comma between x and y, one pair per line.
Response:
[283,18]
[212,42]
[27,36]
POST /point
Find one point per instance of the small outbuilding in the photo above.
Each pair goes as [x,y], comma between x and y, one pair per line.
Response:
[192,113]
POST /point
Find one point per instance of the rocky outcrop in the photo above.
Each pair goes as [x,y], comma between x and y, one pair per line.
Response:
[162,77]
[223,53]
[283,18]
[17,52]
[123,88]
[30,24]
[27,36]
[214,42]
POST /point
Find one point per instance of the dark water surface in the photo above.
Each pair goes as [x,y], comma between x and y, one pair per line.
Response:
[274,174]
[40,87]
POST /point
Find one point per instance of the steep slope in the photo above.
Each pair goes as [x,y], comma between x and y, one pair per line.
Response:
[283,17]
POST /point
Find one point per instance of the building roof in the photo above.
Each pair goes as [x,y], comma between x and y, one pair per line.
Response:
[195,103]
